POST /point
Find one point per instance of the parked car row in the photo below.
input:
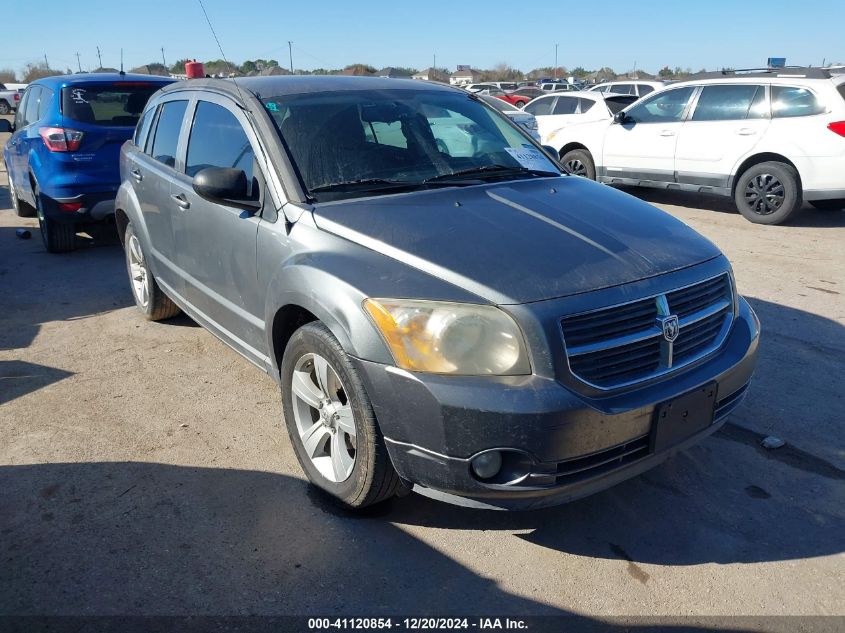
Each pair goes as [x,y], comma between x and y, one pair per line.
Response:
[768,139]
[372,243]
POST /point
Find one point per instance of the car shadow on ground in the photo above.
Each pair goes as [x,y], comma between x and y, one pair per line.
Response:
[806,217]
[121,539]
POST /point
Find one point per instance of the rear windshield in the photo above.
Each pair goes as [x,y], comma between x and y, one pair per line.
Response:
[118,104]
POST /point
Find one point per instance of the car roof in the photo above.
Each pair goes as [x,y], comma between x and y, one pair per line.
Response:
[61,81]
[304,84]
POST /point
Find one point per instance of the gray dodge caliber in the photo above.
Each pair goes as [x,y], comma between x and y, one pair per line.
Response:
[443,309]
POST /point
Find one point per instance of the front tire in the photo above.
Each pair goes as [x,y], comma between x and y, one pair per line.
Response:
[58,237]
[520,104]
[331,422]
[153,303]
[579,162]
[768,193]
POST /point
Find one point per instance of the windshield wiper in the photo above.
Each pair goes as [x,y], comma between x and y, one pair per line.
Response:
[363,183]
[491,170]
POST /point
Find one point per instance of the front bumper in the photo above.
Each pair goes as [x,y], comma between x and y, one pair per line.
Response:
[561,445]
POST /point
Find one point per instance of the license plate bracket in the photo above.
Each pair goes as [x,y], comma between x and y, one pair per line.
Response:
[682,417]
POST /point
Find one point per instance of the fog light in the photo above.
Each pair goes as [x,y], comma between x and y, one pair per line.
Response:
[487,464]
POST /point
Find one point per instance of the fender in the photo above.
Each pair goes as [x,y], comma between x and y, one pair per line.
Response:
[307,286]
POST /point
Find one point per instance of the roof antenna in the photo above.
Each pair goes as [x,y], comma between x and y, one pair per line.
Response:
[121,62]
[222,54]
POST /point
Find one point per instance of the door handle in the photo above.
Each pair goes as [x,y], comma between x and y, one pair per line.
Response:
[136,174]
[746,131]
[667,133]
[181,201]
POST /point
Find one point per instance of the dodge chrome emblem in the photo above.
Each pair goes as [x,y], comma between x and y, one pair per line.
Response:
[670,326]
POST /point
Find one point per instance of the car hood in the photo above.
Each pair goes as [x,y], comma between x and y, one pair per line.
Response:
[521,241]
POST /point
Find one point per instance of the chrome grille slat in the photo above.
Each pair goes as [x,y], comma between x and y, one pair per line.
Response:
[622,345]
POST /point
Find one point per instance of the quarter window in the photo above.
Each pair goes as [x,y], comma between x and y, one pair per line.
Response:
[788,101]
[218,140]
[167,132]
[726,103]
[663,107]
[32,106]
[143,127]
[645,89]
[586,105]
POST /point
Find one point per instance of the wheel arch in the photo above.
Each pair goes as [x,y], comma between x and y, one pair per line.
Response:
[756,159]
[568,147]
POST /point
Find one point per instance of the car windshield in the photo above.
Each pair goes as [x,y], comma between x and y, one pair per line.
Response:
[355,143]
[119,103]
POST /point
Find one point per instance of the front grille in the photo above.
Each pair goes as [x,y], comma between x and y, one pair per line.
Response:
[621,345]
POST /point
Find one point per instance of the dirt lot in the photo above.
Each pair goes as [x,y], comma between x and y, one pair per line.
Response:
[144,469]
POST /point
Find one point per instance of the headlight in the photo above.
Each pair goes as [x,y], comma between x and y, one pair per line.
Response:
[450,338]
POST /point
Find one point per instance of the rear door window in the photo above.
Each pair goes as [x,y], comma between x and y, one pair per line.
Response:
[117,104]
[789,101]
[725,103]
[566,105]
[167,130]
[44,102]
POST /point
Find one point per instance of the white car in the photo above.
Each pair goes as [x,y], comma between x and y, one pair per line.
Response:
[557,110]
[769,139]
[558,86]
[525,120]
[632,87]
[479,87]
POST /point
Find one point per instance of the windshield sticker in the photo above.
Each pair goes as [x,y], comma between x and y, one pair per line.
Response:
[78,95]
[271,105]
[530,158]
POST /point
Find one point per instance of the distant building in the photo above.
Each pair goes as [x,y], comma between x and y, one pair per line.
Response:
[393,73]
[464,75]
[430,74]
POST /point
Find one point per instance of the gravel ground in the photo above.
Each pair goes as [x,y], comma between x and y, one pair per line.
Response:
[144,469]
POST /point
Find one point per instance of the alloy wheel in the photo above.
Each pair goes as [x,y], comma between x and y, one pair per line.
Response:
[323,417]
[138,271]
[764,194]
[575,167]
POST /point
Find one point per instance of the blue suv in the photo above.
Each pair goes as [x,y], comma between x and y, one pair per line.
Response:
[63,156]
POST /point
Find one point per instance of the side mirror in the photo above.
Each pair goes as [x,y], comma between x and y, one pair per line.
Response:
[620,118]
[6,127]
[224,185]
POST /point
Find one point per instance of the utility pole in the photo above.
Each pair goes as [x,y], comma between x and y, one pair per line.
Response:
[434,64]
[555,73]
[163,63]
[78,64]
[290,52]
[46,63]
[99,57]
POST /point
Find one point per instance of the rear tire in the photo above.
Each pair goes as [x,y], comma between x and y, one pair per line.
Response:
[58,237]
[520,104]
[153,303]
[829,205]
[370,477]
[22,209]
[579,162]
[768,193]
[4,108]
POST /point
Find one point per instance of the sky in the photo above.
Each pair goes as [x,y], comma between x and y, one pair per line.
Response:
[332,33]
